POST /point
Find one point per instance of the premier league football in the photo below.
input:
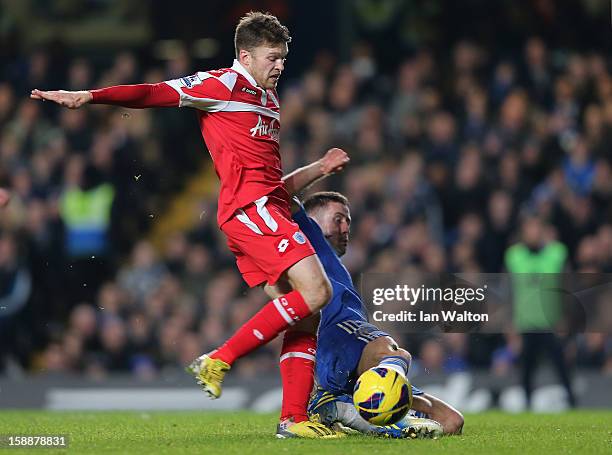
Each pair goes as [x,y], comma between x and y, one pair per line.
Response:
[382,396]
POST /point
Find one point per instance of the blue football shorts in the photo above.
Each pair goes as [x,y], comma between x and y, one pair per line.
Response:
[339,349]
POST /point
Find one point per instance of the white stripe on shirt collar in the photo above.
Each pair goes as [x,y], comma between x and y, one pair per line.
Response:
[237,66]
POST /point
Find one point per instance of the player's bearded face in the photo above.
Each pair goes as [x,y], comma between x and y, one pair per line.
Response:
[335,222]
[266,63]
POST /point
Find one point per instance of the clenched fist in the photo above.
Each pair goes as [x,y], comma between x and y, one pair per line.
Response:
[334,161]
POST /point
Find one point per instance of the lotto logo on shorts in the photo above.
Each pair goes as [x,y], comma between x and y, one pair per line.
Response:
[283,246]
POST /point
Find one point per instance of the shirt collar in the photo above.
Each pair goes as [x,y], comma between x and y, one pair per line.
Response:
[237,66]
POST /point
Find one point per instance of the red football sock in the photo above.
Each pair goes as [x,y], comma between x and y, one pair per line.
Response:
[297,372]
[267,323]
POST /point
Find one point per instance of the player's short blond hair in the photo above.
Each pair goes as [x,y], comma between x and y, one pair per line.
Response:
[256,29]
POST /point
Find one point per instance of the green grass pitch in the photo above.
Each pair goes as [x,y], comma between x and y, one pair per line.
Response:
[578,432]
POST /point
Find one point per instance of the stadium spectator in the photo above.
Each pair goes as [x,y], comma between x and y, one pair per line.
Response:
[536,263]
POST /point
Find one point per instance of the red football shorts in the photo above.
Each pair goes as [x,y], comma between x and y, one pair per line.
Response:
[265,240]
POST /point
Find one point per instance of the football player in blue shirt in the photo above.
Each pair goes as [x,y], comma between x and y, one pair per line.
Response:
[347,343]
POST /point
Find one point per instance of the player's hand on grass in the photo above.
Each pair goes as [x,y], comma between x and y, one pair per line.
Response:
[5,197]
[334,161]
[71,100]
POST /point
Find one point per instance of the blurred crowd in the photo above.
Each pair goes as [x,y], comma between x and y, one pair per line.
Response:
[447,152]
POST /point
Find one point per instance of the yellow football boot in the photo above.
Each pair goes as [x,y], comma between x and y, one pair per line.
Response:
[209,374]
[309,429]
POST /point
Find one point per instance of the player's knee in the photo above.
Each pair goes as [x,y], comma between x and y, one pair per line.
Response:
[386,347]
[325,292]
[318,293]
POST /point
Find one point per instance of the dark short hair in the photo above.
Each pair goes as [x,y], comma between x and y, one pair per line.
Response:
[322,198]
[257,28]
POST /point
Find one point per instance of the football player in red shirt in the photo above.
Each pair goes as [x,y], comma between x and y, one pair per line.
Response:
[238,114]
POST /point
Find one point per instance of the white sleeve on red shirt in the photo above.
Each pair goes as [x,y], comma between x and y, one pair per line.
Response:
[208,91]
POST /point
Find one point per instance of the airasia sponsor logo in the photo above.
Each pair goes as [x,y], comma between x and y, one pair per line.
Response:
[262,129]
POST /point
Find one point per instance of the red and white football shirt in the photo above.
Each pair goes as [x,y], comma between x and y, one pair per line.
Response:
[240,123]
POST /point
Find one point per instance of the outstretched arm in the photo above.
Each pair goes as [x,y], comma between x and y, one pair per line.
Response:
[299,180]
[133,96]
